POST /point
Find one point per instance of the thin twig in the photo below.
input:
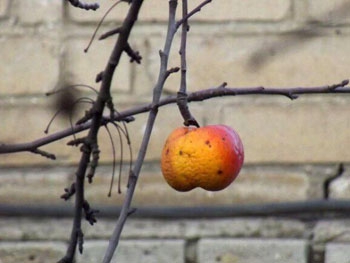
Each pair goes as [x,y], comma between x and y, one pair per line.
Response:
[99,25]
[194,11]
[182,94]
[221,91]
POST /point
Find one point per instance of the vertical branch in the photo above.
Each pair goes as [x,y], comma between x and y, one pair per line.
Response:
[96,115]
[184,29]
[134,173]
[182,94]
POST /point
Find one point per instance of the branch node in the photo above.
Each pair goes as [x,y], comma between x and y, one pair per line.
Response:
[171,71]
[88,115]
[68,192]
[134,55]
[110,33]
[99,77]
[339,85]
[80,236]
[131,211]
[90,214]
[76,142]
[94,162]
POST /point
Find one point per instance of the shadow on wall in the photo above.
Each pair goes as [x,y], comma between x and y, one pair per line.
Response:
[302,34]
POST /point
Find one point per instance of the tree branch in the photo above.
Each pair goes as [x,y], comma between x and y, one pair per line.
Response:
[221,91]
[194,11]
[134,173]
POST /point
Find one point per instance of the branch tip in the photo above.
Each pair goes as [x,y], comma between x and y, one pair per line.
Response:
[44,154]
[134,55]
[110,33]
[81,5]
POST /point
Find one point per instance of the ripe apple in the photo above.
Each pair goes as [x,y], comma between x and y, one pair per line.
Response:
[209,157]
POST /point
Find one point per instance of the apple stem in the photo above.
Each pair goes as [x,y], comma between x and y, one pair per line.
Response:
[182,94]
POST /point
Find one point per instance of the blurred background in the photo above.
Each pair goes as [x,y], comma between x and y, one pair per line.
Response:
[289,202]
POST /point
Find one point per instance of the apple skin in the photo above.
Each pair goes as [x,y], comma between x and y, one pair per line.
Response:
[209,157]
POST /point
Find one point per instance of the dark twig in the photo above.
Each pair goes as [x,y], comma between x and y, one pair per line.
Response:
[90,214]
[96,116]
[44,154]
[68,192]
[109,33]
[201,95]
[76,141]
[79,4]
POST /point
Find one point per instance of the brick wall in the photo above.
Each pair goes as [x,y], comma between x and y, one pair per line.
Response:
[292,147]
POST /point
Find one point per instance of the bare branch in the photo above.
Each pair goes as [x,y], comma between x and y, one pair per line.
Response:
[201,95]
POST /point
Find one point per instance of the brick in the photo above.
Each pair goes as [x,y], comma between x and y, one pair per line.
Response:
[340,187]
[301,131]
[148,251]
[54,229]
[330,12]
[3,7]
[252,251]
[335,230]
[82,68]
[24,228]
[253,185]
[246,61]
[29,65]
[200,228]
[18,187]
[31,252]
[235,10]
[42,11]
[337,253]
[35,114]
[251,10]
